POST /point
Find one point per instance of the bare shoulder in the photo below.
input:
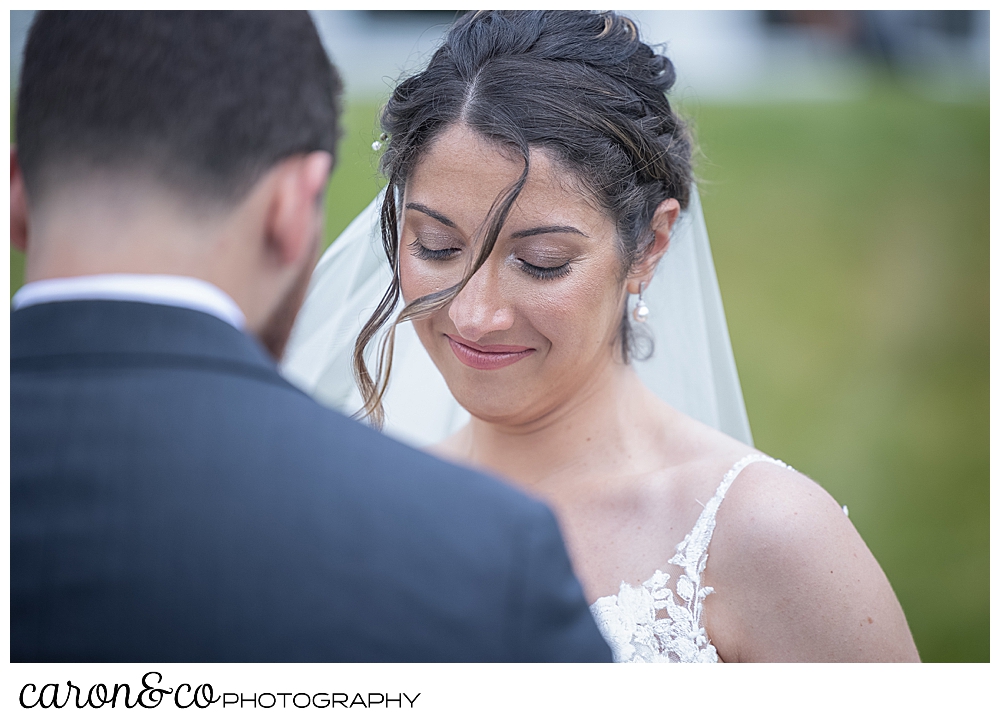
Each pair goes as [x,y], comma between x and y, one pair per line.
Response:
[774,507]
[794,580]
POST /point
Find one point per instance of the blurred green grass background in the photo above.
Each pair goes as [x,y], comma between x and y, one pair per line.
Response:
[851,241]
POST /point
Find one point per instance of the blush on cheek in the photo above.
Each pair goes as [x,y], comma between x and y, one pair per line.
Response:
[417,278]
[409,281]
[574,316]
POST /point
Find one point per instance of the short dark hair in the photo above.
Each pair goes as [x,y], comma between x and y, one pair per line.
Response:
[205,101]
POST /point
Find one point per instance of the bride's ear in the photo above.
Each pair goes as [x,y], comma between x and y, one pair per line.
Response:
[663,221]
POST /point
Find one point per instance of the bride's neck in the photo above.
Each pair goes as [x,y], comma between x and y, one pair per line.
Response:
[603,429]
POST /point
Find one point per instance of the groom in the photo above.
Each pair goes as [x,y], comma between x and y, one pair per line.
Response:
[172,497]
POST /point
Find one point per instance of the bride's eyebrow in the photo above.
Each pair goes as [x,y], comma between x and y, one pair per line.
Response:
[432,213]
[547,229]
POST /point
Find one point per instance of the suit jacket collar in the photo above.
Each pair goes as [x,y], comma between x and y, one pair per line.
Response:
[171,290]
[98,328]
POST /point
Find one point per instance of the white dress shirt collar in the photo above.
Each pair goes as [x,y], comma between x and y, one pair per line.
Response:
[182,291]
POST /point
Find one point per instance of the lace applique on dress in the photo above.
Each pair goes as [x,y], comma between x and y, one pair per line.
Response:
[632,622]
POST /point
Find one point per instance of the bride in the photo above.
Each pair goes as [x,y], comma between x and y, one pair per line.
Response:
[538,181]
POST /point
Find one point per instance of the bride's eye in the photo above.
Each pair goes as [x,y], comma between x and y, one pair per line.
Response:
[429,254]
[544,272]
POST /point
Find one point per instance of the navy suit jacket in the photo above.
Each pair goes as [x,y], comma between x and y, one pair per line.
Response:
[173,498]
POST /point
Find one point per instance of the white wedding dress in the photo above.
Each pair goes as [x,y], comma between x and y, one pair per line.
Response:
[692,368]
[647,624]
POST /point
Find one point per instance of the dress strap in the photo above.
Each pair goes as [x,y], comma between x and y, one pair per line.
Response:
[692,553]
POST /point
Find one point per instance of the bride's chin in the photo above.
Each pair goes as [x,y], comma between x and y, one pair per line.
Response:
[492,408]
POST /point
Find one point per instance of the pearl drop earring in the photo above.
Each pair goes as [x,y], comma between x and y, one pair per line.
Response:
[377,145]
[641,312]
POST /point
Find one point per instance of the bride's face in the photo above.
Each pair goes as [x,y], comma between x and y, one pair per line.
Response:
[539,320]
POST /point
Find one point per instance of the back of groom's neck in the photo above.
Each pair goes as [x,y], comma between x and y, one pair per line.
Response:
[120,225]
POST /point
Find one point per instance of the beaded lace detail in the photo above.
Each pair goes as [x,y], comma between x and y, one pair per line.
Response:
[647,624]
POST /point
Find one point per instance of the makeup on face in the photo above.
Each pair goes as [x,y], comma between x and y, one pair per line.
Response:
[489,356]
[539,317]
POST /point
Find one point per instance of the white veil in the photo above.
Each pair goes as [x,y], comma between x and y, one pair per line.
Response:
[692,366]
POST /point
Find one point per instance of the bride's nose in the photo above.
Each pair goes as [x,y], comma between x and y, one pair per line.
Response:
[481,308]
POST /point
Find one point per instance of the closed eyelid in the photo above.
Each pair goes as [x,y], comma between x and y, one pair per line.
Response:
[436,237]
[545,257]
[548,250]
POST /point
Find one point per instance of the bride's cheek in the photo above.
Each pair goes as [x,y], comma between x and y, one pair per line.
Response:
[576,320]
[556,305]
[413,282]
[420,278]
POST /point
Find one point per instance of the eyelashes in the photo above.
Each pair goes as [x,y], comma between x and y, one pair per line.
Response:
[543,273]
[426,254]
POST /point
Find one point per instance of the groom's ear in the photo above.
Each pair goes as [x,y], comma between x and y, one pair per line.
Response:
[663,221]
[18,204]
[295,214]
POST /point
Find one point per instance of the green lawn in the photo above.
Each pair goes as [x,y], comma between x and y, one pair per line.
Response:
[852,247]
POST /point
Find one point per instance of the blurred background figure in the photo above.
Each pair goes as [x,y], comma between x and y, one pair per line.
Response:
[844,171]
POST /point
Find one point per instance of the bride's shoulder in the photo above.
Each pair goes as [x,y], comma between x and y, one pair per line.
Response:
[778,517]
[772,522]
[785,556]
[763,496]
[777,509]
[754,484]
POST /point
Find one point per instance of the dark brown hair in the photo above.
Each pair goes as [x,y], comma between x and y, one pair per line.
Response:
[208,101]
[580,85]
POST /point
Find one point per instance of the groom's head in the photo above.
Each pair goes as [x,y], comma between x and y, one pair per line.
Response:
[176,142]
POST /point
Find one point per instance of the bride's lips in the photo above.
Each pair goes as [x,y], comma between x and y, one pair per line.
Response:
[489,356]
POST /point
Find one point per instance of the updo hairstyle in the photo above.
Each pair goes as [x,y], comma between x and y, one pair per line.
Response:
[580,85]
